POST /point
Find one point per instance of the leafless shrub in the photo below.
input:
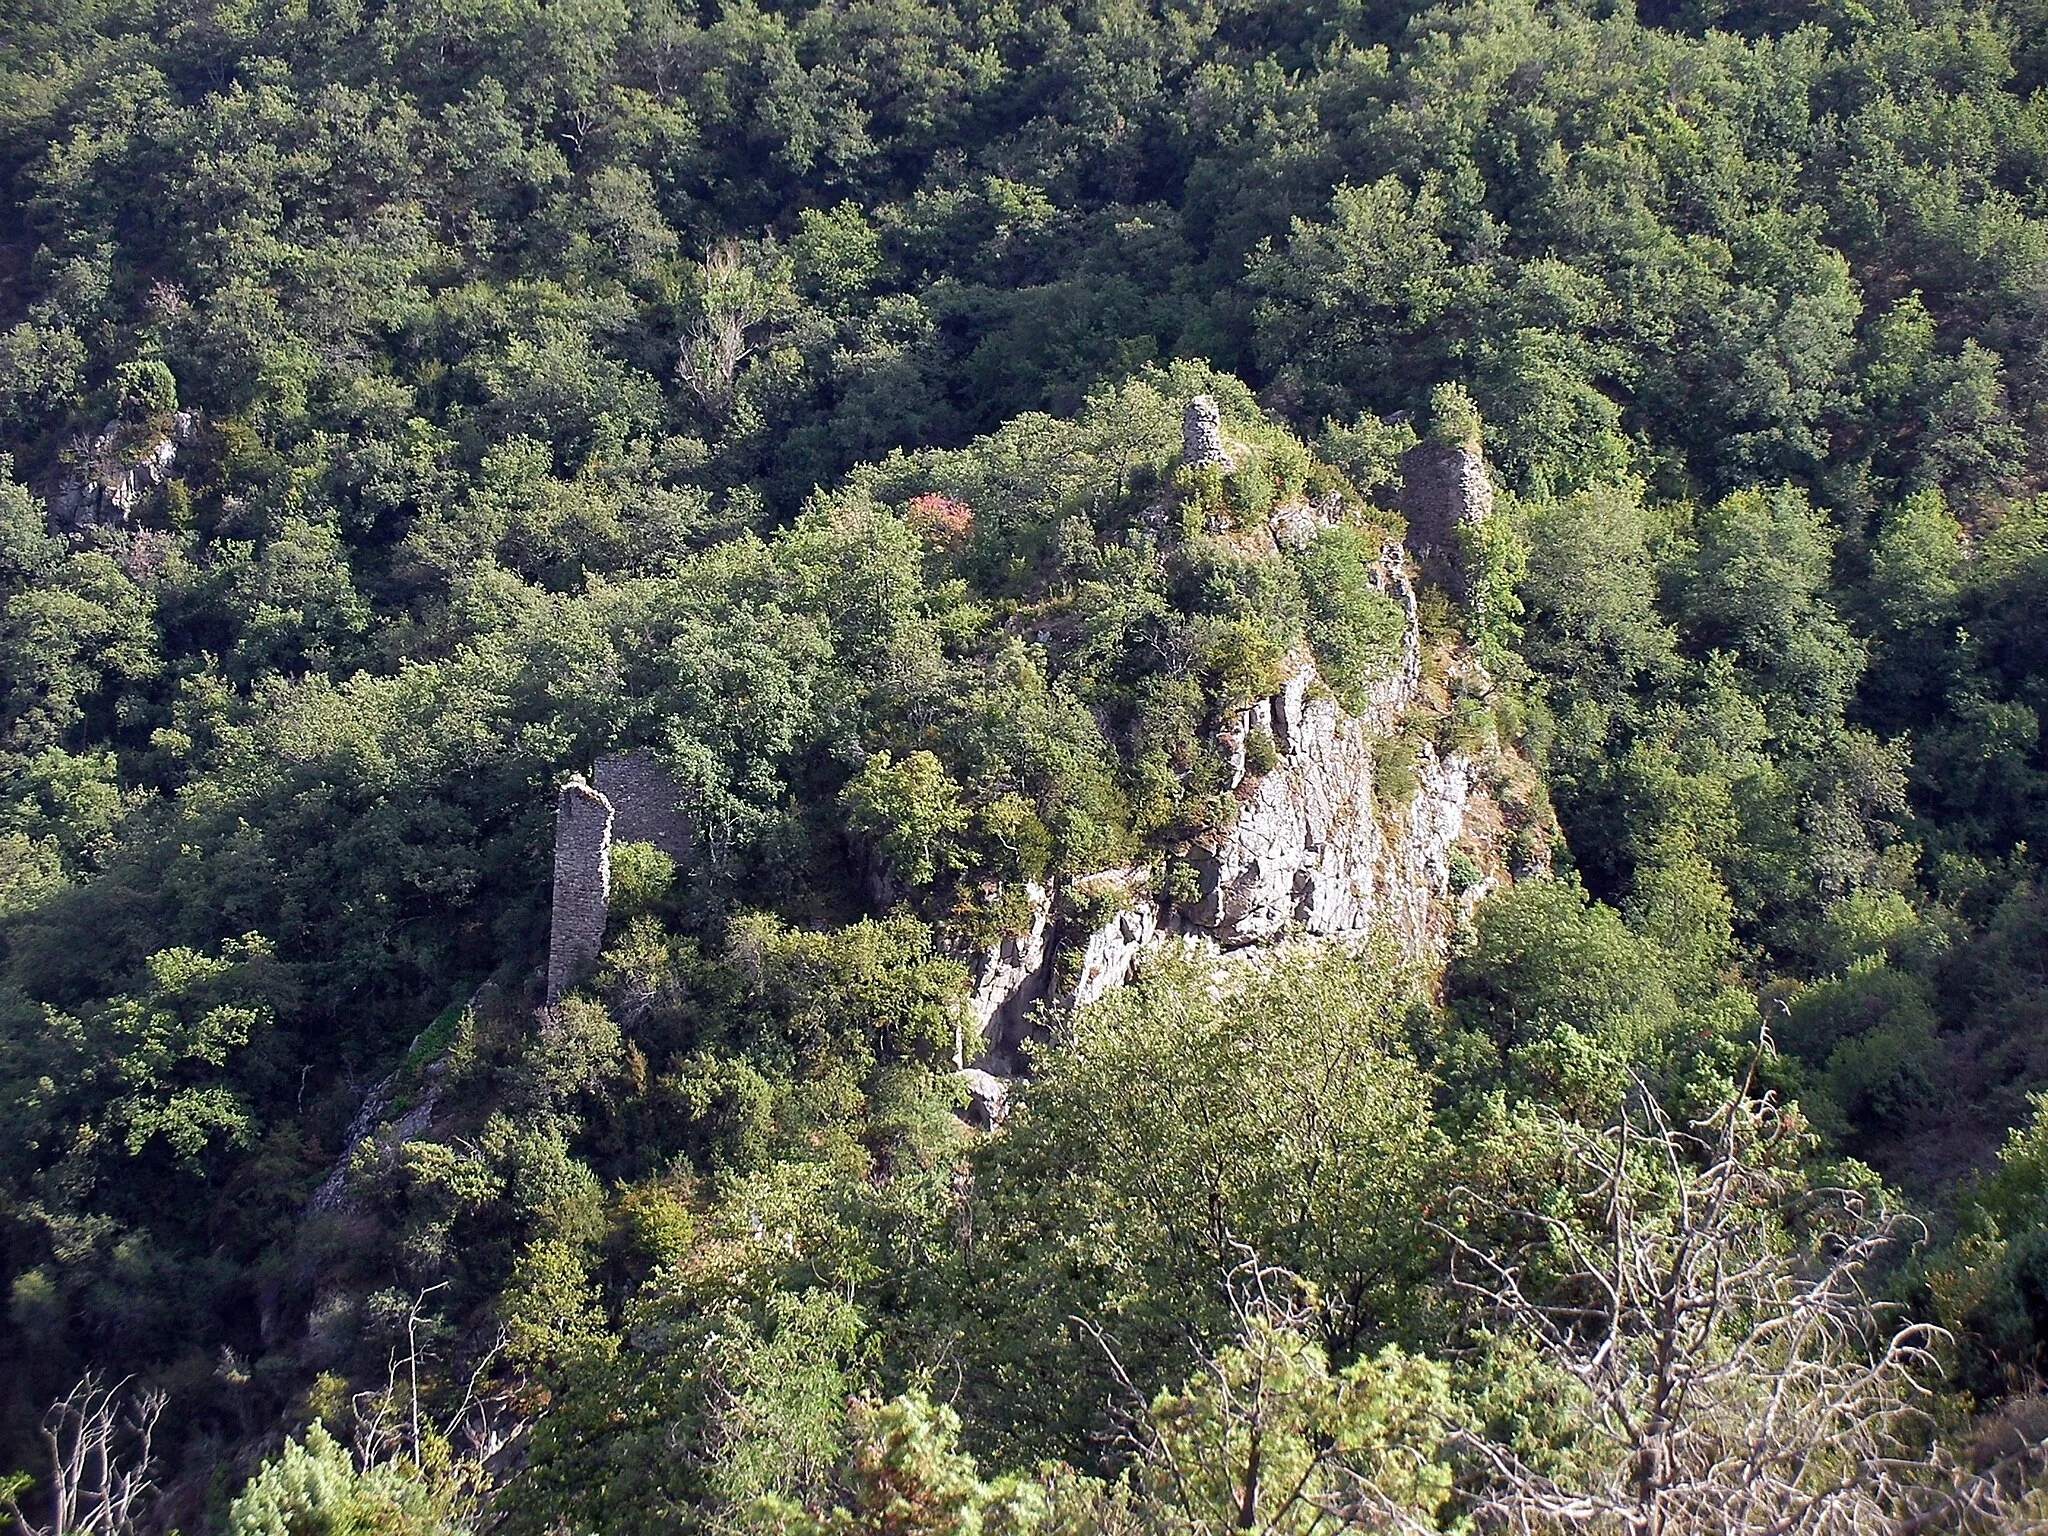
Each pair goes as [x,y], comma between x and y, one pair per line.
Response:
[99,1442]
[393,1423]
[1706,1321]
[1728,1374]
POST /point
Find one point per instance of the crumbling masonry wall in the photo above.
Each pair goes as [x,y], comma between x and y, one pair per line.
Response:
[1201,434]
[583,884]
[645,802]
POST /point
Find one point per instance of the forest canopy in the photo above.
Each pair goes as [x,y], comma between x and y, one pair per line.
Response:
[404,405]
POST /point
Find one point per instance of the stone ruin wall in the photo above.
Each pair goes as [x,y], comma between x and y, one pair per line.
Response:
[645,803]
[1443,487]
[630,798]
[583,884]
[1201,434]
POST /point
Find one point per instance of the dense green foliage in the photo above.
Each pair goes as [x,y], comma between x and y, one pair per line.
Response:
[403,403]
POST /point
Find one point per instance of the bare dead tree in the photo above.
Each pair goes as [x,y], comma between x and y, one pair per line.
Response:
[735,303]
[99,1442]
[1704,1318]
[1726,1378]
[391,1423]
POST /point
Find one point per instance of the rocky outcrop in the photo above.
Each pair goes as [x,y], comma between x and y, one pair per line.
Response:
[1349,833]
[1061,957]
[583,883]
[1315,850]
[1109,953]
[110,475]
[988,1097]
[333,1192]
[1009,976]
[1295,523]
[1444,486]
[1320,844]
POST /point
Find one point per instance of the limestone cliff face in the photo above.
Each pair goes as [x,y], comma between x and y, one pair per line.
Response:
[1009,976]
[116,471]
[1327,842]
[1315,850]
[1059,958]
[1330,841]
[1359,828]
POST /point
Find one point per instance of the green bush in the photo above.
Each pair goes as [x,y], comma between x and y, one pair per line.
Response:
[145,387]
[1092,903]
[1261,753]
[1454,416]
[314,1488]
[1354,629]
[1395,764]
[1464,873]
[641,876]
[910,812]
[1200,497]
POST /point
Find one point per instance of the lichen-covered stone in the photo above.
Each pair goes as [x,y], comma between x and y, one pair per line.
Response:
[583,882]
[646,803]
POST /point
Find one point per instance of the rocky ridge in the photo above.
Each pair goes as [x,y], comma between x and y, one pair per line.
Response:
[1363,827]
[1347,827]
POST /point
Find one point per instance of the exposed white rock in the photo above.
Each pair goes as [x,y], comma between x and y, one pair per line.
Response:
[1011,975]
[1110,952]
[987,1097]
[1316,849]
[1312,850]
[1295,523]
[112,473]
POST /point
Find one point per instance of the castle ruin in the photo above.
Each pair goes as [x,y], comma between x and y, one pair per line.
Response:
[1201,434]
[632,799]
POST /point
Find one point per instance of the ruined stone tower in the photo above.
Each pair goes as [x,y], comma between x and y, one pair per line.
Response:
[1444,486]
[1201,434]
[583,881]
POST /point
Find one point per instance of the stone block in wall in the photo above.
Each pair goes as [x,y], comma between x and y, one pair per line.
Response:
[583,883]
[646,802]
